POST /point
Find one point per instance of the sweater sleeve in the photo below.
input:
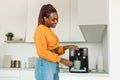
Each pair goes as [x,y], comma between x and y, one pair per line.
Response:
[60,50]
[41,46]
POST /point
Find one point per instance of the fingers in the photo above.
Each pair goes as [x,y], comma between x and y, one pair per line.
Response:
[76,47]
[69,63]
[66,62]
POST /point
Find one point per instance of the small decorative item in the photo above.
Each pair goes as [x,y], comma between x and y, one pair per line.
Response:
[9,35]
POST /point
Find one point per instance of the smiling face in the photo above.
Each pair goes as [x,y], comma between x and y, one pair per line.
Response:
[52,20]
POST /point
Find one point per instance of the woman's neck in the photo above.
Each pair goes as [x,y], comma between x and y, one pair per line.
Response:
[46,25]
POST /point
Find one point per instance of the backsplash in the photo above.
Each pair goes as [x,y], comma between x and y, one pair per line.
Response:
[22,51]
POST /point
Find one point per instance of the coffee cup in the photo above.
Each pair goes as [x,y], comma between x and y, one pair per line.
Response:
[77,64]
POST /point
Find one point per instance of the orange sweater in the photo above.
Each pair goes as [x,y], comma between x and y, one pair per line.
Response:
[46,40]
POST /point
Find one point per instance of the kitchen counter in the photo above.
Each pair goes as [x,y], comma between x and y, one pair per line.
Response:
[16,68]
[64,72]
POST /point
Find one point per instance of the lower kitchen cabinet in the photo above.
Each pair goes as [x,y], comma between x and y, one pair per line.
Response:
[9,75]
[16,74]
[27,75]
[9,79]
[63,78]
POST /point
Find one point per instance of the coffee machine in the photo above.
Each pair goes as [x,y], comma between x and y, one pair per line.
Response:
[81,57]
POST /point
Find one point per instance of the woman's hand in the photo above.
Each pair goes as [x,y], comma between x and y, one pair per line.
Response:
[71,47]
[66,62]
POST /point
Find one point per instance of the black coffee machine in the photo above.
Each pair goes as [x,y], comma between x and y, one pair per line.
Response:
[79,55]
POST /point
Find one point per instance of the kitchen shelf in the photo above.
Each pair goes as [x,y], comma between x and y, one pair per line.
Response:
[15,41]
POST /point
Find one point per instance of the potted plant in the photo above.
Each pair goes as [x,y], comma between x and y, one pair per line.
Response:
[9,35]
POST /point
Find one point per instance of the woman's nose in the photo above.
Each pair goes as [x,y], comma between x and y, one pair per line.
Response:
[56,21]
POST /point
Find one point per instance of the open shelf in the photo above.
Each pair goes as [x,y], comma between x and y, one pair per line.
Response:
[15,41]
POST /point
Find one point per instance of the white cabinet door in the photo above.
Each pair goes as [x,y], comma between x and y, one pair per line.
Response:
[32,18]
[9,75]
[65,78]
[63,26]
[9,79]
[67,28]
[47,2]
[92,11]
[75,32]
[27,75]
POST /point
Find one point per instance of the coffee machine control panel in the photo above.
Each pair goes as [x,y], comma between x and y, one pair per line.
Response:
[79,59]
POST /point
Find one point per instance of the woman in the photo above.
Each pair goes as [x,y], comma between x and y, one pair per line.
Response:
[47,45]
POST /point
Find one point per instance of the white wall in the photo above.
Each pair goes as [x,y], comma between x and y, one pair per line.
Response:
[18,51]
[114,23]
[13,18]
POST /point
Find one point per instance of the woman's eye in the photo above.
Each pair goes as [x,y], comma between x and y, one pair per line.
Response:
[54,19]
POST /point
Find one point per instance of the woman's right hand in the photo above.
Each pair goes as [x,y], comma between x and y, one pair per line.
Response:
[66,62]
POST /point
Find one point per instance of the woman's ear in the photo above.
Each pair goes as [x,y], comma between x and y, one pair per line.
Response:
[45,19]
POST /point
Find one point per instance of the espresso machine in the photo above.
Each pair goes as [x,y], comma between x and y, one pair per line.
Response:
[79,59]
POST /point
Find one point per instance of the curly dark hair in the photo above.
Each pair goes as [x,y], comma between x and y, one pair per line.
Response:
[45,11]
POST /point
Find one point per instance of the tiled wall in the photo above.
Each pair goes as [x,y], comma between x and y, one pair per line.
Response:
[22,51]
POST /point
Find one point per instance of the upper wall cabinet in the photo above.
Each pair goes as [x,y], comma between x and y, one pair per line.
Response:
[63,26]
[32,18]
[75,32]
[67,28]
[92,11]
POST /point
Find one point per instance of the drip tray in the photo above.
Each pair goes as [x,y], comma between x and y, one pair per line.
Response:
[78,71]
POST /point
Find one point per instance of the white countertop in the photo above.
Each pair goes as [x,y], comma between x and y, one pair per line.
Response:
[64,72]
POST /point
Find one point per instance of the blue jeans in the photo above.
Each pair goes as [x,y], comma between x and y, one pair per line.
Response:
[46,70]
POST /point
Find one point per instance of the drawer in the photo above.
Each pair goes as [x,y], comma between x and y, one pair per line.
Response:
[9,78]
[9,73]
